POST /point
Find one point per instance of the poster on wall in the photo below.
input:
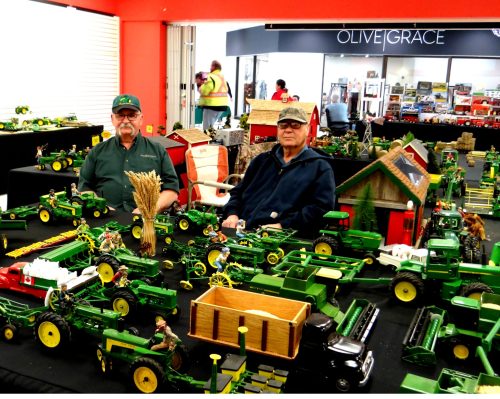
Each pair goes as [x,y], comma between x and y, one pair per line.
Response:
[440,92]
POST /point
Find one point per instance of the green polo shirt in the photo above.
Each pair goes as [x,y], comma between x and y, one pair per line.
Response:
[104,170]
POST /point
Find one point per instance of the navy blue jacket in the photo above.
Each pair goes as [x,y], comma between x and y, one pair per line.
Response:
[297,194]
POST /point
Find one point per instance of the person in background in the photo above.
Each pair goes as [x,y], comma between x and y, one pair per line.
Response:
[290,186]
[213,95]
[281,93]
[103,171]
[296,97]
[336,116]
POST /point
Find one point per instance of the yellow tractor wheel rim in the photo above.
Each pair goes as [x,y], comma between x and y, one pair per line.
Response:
[405,291]
[49,334]
[44,216]
[281,253]
[460,351]
[121,306]
[273,258]
[8,333]
[323,248]
[106,272]
[212,256]
[186,285]
[168,240]
[184,225]
[265,234]
[12,216]
[200,269]
[475,295]
[145,380]
[97,213]
[368,261]
[99,354]
[137,232]
[57,166]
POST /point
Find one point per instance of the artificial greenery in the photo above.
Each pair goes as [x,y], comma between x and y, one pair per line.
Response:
[364,210]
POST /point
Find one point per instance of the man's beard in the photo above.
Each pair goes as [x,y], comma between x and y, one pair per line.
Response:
[133,132]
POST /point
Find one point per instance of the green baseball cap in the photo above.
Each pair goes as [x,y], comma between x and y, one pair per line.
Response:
[294,114]
[126,101]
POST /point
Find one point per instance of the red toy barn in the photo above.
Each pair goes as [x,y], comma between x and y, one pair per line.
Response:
[264,117]
[420,153]
[395,179]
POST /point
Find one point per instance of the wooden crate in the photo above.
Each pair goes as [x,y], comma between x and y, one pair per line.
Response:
[274,324]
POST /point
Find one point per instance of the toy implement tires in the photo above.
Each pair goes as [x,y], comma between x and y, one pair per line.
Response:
[12,216]
[326,245]
[3,243]
[75,200]
[107,267]
[370,259]
[474,290]
[344,383]
[183,223]
[124,303]
[212,253]
[136,229]
[186,285]
[180,359]
[57,165]
[407,287]
[167,240]
[46,215]
[220,280]
[9,332]
[147,375]
[52,331]
[96,213]
[199,269]
[272,258]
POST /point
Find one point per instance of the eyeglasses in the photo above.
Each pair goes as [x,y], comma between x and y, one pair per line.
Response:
[293,125]
[130,117]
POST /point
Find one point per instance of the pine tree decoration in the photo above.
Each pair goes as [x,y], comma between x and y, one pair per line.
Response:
[365,218]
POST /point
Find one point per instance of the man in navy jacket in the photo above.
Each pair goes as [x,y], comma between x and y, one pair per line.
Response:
[291,186]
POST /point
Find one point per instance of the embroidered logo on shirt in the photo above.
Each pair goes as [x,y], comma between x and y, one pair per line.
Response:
[148,156]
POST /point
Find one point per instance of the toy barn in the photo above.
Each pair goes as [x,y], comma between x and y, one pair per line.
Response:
[395,179]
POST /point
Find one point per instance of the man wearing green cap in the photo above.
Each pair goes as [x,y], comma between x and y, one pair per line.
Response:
[291,186]
[103,171]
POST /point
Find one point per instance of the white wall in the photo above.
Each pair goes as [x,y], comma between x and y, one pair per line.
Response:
[412,70]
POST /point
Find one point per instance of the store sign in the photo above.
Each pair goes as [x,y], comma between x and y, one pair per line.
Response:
[391,37]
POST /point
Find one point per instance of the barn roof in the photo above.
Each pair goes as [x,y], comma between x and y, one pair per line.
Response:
[192,136]
[265,112]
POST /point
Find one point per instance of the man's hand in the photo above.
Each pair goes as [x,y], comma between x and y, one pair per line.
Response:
[231,221]
[274,225]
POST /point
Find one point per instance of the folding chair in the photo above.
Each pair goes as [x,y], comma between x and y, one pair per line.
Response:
[208,175]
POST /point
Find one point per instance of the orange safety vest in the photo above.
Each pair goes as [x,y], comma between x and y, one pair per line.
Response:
[218,95]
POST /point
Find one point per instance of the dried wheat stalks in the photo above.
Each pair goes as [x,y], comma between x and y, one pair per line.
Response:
[146,194]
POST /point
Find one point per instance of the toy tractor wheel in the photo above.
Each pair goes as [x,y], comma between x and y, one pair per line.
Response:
[106,267]
[474,290]
[9,332]
[460,349]
[96,213]
[280,252]
[105,211]
[12,216]
[406,287]
[370,259]
[265,234]
[52,298]
[3,243]
[75,200]
[76,222]
[104,365]
[167,240]
[174,315]
[183,223]
[343,383]
[326,245]
[186,285]
[216,226]
[137,230]
[212,253]
[52,331]
[56,165]
[200,269]
[64,163]
[124,303]
[46,215]
[147,375]
[89,240]
[245,242]
[220,280]
[167,264]
[272,258]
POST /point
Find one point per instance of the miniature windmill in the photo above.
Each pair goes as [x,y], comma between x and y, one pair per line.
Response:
[367,138]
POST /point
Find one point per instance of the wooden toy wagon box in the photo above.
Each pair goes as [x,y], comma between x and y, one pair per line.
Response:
[274,324]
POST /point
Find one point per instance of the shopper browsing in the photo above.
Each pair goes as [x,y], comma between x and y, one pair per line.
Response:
[103,171]
[213,95]
[291,186]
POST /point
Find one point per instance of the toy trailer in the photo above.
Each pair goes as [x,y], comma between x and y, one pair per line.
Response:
[274,324]
[451,381]
[15,315]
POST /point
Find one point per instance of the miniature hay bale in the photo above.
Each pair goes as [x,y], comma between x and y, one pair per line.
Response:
[146,194]
[488,389]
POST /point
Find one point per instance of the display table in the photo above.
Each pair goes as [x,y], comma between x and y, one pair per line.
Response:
[19,149]
[25,185]
[485,137]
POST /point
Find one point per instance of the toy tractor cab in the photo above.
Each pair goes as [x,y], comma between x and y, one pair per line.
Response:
[449,157]
[338,237]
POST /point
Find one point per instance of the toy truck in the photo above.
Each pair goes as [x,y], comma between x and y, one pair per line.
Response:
[339,238]
[393,255]
[451,381]
[282,328]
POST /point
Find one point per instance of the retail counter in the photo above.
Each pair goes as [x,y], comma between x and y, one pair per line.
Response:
[485,137]
[19,149]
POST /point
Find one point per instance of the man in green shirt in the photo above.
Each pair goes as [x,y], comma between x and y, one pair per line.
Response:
[103,171]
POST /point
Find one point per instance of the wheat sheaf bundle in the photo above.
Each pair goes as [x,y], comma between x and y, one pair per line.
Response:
[147,191]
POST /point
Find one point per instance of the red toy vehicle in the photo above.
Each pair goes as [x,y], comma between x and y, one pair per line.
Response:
[35,278]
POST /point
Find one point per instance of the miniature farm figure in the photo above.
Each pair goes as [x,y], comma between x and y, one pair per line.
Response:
[74,190]
[52,198]
[107,245]
[221,260]
[83,227]
[221,237]
[169,338]
[212,234]
[240,228]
